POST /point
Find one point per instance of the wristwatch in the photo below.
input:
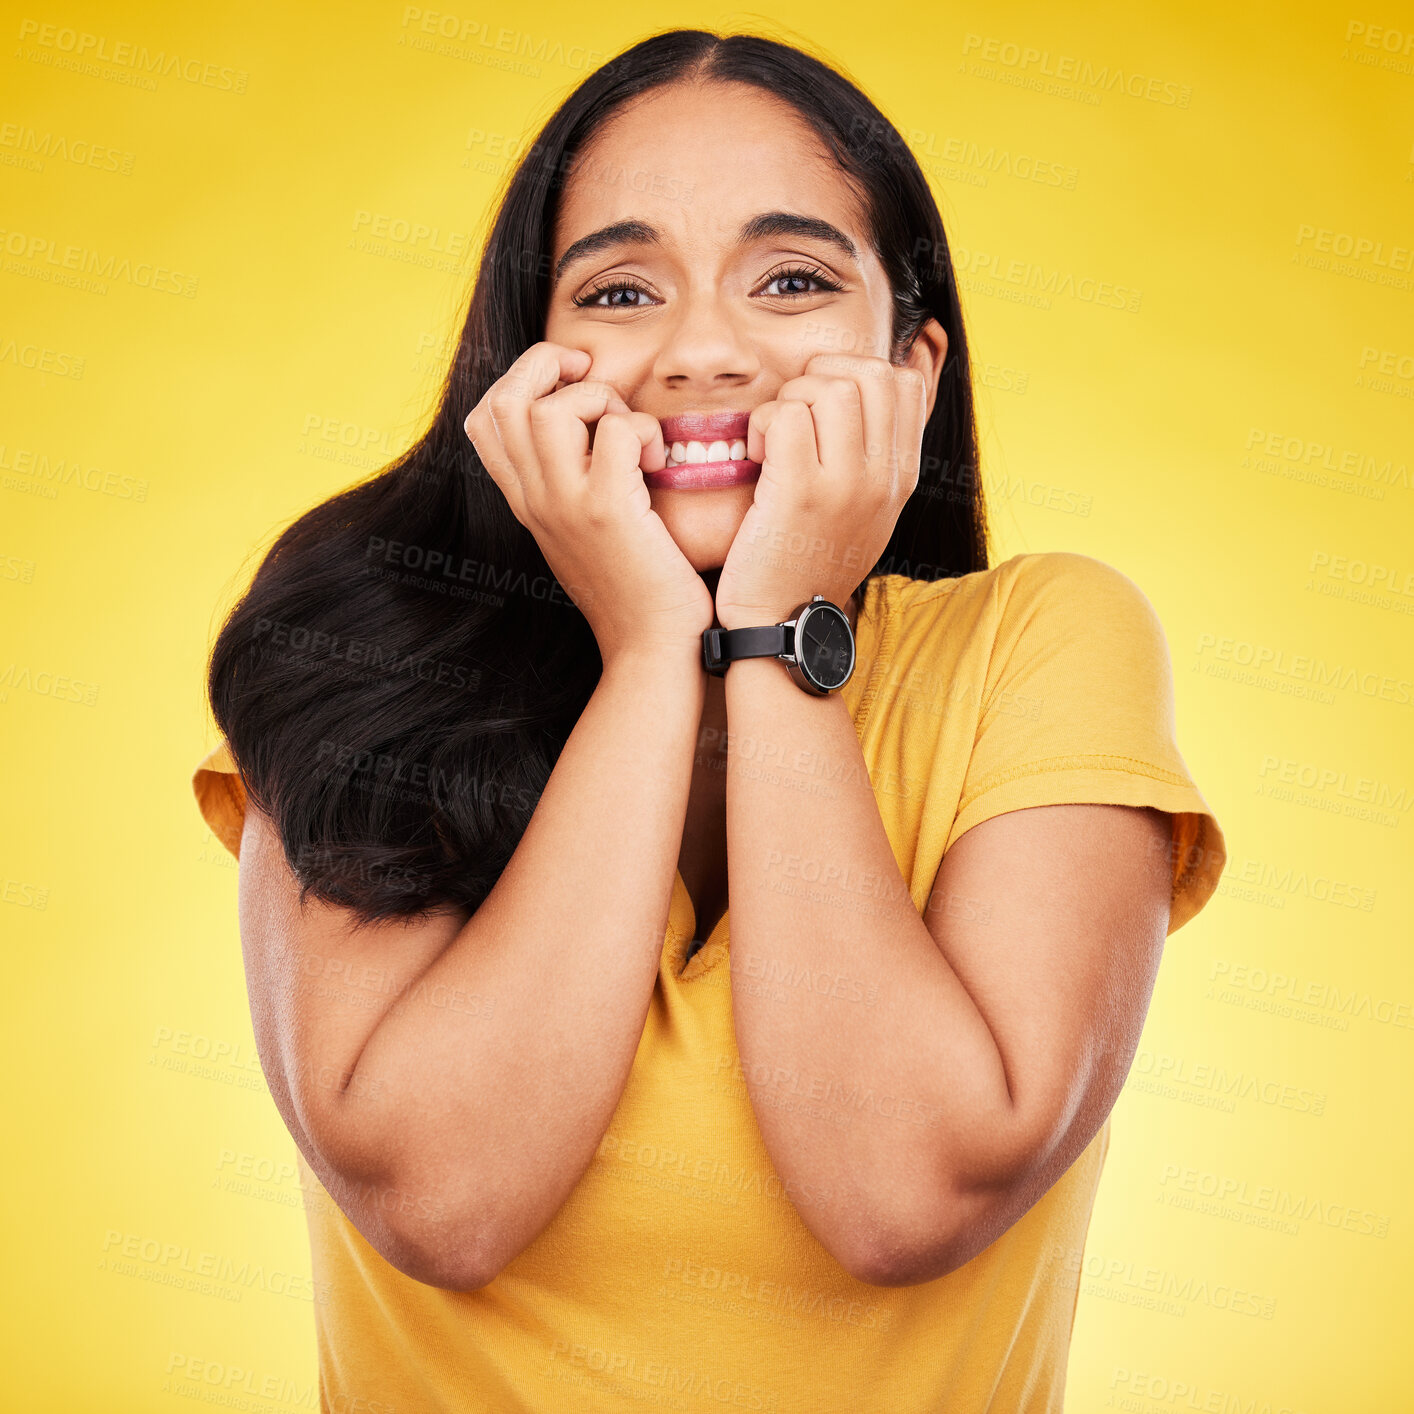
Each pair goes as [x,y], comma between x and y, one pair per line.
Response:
[816,644]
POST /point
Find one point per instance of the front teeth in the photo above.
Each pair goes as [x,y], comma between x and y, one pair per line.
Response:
[695,453]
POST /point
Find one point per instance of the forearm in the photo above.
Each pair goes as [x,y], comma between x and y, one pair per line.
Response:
[874,1076]
[497,1105]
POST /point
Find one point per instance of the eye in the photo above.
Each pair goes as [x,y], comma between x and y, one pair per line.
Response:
[801,274]
[602,296]
[595,296]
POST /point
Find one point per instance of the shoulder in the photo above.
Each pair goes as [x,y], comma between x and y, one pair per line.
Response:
[1039,594]
[1052,631]
[1024,575]
[1078,597]
[1054,579]
[1065,571]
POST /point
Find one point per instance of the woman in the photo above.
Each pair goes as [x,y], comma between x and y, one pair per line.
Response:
[567,1143]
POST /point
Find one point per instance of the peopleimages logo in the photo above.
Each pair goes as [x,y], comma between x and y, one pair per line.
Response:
[1292,992]
[1271,1199]
[43,258]
[85,50]
[1033,62]
[316,646]
[1267,663]
[1211,1079]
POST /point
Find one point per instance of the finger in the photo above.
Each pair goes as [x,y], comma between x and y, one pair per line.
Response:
[911,412]
[536,373]
[790,451]
[559,426]
[874,382]
[653,451]
[838,413]
[837,420]
[761,418]
[491,453]
[765,414]
[620,440]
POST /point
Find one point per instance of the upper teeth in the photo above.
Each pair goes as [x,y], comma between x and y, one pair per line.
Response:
[696,452]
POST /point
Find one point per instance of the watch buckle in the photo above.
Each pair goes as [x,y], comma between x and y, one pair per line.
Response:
[712,652]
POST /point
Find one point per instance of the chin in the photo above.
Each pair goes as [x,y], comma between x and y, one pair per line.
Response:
[704,523]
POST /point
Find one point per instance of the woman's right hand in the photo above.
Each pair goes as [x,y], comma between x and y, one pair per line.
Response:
[589,509]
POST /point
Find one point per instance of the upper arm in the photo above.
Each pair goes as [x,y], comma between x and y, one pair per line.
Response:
[1058,947]
[318,989]
[1078,842]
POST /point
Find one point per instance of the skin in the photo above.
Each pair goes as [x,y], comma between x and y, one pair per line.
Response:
[1012,1034]
[714,325]
[1017,1036]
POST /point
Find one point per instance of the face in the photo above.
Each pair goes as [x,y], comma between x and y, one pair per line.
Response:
[699,319]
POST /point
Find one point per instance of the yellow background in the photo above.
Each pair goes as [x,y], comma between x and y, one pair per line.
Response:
[1238,443]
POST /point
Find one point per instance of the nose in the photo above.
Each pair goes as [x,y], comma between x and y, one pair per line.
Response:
[704,346]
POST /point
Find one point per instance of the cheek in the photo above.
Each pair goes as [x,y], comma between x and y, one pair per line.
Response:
[612,359]
[559,329]
[827,332]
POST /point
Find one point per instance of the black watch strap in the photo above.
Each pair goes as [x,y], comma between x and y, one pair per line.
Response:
[722,646]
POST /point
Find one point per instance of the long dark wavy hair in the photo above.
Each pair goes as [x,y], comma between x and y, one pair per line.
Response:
[402,674]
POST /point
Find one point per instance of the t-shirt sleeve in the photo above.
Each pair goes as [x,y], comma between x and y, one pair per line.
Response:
[220,796]
[1079,708]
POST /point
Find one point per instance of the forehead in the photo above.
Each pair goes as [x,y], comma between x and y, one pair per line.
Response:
[696,159]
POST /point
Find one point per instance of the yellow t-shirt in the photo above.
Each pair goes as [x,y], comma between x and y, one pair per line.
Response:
[678,1273]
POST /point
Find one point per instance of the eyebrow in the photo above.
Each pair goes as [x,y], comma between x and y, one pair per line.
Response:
[760,227]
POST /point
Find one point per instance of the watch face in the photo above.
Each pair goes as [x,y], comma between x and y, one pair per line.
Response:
[824,646]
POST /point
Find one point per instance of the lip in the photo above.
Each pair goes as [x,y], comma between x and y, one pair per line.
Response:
[705,426]
[702,476]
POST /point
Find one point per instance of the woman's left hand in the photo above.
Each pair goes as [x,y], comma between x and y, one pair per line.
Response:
[839,451]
